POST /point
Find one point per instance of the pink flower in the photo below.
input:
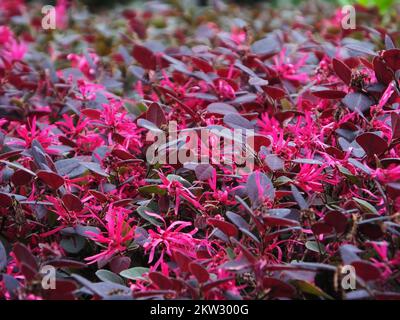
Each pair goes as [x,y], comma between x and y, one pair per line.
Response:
[62,14]
[169,239]
[12,7]
[177,189]
[290,70]
[5,34]
[121,126]
[32,131]
[390,174]
[238,35]
[117,237]
[311,178]
[87,90]
[85,63]
[10,48]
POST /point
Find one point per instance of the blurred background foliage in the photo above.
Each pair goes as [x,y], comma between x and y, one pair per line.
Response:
[383,5]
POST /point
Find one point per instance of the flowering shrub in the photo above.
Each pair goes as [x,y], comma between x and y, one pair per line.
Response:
[77,192]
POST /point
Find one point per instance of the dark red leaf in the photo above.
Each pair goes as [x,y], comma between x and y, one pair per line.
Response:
[5,200]
[66,263]
[395,121]
[393,189]
[119,264]
[274,92]
[387,296]
[321,228]
[67,142]
[21,178]
[329,94]
[23,255]
[352,62]
[28,272]
[122,154]
[72,202]
[160,280]
[335,152]
[182,260]
[92,113]
[382,71]
[277,288]
[392,58]
[372,231]
[63,290]
[342,70]
[366,270]
[212,284]
[272,221]
[337,220]
[199,272]
[98,195]
[156,115]
[202,64]
[53,180]
[259,141]
[144,56]
[226,227]
[372,143]
[9,154]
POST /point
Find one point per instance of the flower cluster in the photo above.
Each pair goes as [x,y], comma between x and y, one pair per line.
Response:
[77,192]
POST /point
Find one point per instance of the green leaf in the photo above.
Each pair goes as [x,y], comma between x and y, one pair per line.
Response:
[18,166]
[94,167]
[307,161]
[310,288]
[231,253]
[346,172]
[135,273]
[360,166]
[174,177]
[148,125]
[142,212]
[3,256]
[153,188]
[73,244]
[366,206]
[136,109]
[282,180]
[315,246]
[108,276]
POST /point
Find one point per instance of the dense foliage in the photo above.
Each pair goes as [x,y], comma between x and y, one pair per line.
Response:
[78,193]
